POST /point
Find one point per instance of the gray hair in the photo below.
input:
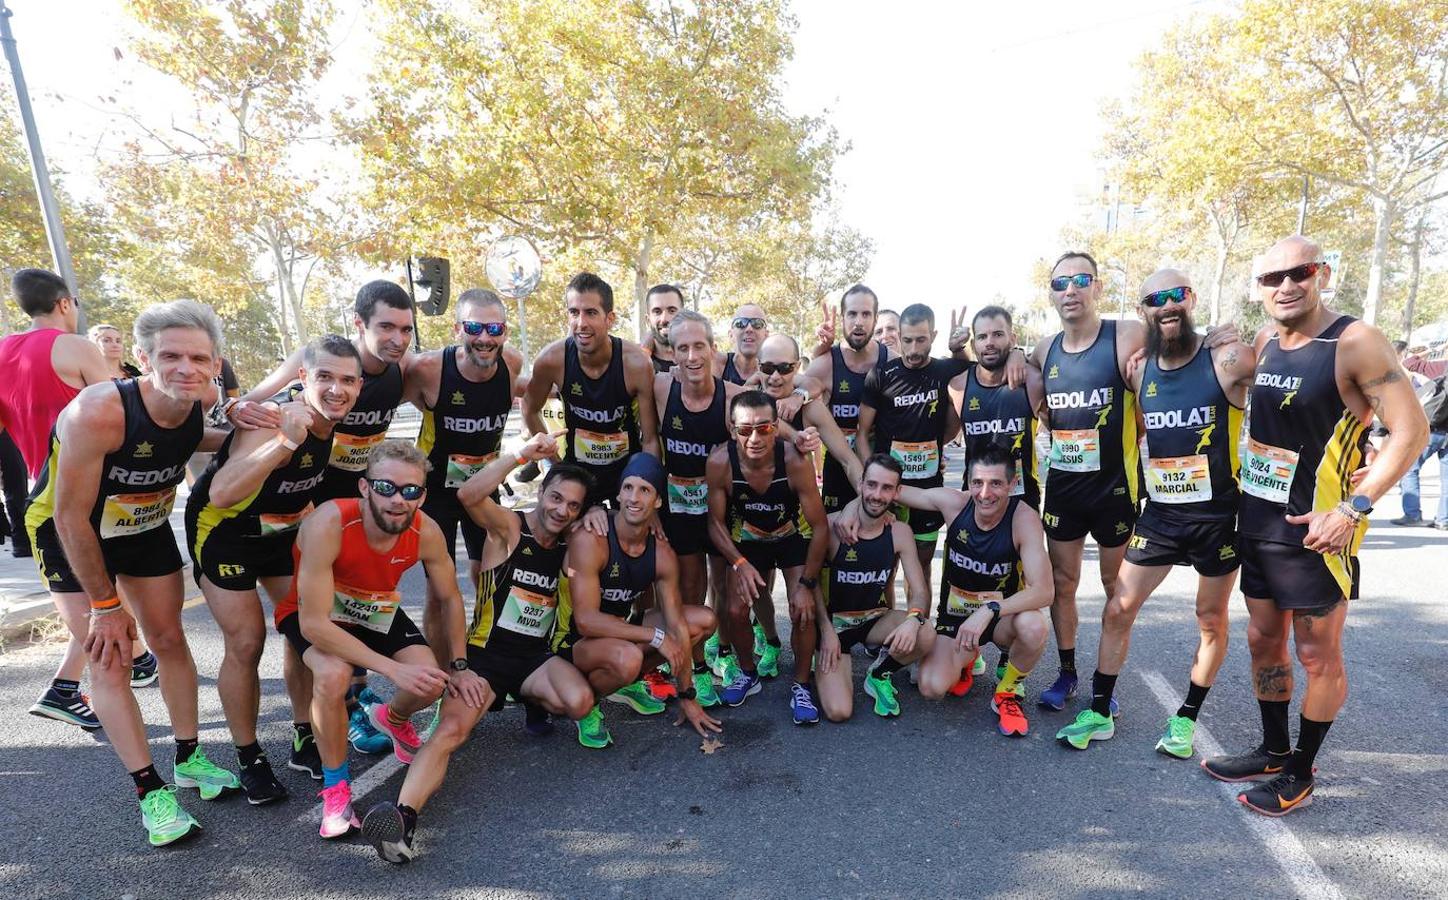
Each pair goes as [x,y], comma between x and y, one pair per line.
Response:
[481,297]
[689,315]
[176,314]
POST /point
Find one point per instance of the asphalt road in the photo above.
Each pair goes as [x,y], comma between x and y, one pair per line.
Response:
[934,803]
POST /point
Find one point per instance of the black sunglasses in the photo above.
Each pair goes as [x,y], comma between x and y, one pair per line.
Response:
[384,488]
[781,368]
[1170,295]
[494,329]
[1081,280]
[1296,273]
[755,322]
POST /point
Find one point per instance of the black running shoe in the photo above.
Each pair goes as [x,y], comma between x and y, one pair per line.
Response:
[143,670]
[261,784]
[536,720]
[386,830]
[73,709]
[1279,796]
[305,757]
[1250,766]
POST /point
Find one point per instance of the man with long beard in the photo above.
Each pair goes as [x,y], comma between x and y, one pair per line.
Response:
[1191,399]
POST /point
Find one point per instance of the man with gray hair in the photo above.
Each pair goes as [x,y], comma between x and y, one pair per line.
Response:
[98,521]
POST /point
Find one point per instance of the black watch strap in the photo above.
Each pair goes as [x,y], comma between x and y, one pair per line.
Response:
[459,665]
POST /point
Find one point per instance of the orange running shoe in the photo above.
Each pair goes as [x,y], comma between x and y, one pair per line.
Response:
[660,685]
[1013,719]
[962,687]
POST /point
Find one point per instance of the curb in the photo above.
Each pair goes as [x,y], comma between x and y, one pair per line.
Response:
[19,613]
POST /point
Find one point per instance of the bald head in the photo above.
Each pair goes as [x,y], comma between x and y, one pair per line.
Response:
[779,348]
[1164,279]
[1287,253]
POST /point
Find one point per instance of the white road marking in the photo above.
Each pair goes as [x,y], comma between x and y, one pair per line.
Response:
[1284,847]
[361,787]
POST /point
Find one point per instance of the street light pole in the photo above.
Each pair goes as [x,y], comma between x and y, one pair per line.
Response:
[54,230]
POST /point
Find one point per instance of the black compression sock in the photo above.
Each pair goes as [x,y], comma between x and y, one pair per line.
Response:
[184,749]
[1068,660]
[1275,736]
[65,687]
[773,642]
[248,754]
[1102,687]
[302,729]
[1005,657]
[147,781]
[888,665]
[1310,735]
[1196,695]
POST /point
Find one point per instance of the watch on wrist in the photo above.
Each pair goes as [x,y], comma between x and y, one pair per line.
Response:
[810,583]
[688,693]
[458,665]
[995,609]
[1360,504]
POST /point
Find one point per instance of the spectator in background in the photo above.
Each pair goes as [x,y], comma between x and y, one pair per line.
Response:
[1424,373]
[113,350]
[1416,361]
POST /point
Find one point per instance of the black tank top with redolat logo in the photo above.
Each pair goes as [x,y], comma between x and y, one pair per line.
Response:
[601,418]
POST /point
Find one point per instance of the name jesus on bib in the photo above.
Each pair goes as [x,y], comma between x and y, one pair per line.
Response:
[134,513]
[1076,451]
[350,451]
[528,613]
[1267,471]
[373,610]
[1179,479]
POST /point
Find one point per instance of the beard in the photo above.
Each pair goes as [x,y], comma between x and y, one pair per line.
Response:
[863,342]
[661,336]
[379,516]
[1158,345]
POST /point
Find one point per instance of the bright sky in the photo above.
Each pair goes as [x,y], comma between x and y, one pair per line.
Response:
[973,126]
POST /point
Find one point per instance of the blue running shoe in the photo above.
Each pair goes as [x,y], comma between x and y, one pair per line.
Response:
[801,703]
[363,737]
[744,686]
[1064,688]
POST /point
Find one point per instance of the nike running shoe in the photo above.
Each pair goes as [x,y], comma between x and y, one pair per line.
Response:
[592,732]
[536,721]
[1063,689]
[637,696]
[761,640]
[1012,717]
[338,820]
[405,742]
[362,736]
[711,650]
[1253,765]
[74,709]
[1000,673]
[434,716]
[660,686]
[209,779]
[1279,796]
[768,660]
[166,821]
[978,666]
[962,687]
[802,705]
[887,701]
[261,784]
[1089,726]
[144,670]
[1177,741]
[386,830]
[705,692]
[744,686]
[304,756]
[727,668]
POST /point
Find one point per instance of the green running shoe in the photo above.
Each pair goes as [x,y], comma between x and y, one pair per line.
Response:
[768,661]
[1089,726]
[711,650]
[760,639]
[726,669]
[978,667]
[1177,741]
[592,733]
[705,691]
[638,696]
[208,778]
[432,721]
[887,702]
[166,821]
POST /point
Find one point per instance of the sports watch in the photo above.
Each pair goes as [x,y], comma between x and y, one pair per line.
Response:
[995,609]
[1360,504]
[688,693]
[458,665]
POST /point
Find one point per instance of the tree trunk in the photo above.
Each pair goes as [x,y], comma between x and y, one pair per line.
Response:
[1383,212]
[641,283]
[1415,274]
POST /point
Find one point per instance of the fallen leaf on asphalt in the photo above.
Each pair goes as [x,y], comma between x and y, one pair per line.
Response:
[708,746]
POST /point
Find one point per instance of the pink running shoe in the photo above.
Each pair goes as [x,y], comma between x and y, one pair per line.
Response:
[405,741]
[338,820]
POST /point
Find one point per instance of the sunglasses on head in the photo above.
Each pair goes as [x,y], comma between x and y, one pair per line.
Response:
[1082,280]
[754,322]
[763,428]
[1170,295]
[494,329]
[1296,273]
[771,368]
[384,488]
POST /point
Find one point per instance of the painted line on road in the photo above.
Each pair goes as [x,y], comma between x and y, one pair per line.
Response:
[1296,863]
[364,785]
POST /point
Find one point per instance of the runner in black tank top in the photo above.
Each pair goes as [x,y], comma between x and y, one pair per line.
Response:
[601,418]
[847,388]
[980,566]
[853,586]
[766,525]
[731,372]
[1001,414]
[364,428]
[1092,483]
[688,438]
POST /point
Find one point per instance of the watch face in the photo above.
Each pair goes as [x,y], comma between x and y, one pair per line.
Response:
[1362,504]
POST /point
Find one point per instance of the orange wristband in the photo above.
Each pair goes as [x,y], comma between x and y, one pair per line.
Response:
[737,563]
[106,605]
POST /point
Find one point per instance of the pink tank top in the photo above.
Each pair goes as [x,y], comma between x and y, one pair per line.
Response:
[31,394]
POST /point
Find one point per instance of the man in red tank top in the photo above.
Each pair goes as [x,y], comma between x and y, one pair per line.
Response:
[344,610]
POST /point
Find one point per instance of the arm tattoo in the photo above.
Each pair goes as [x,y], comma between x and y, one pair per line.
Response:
[1231,360]
[1387,377]
[1273,680]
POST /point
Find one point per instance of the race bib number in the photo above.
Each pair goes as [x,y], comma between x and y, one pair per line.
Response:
[1179,479]
[1076,451]
[595,449]
[349,451]
[135,513]
[918,459]
[372,610]
[688,496]
[526,612]
[280,523]
[461,467]
[1267,471]
[847,620]
[960,602]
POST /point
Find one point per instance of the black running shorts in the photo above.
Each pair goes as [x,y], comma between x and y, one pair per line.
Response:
[150,554]
[403,634]
[1109,520]
[1210,547]
[504,672]
[1293,577]
[234,563]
